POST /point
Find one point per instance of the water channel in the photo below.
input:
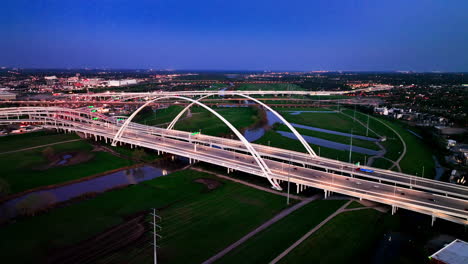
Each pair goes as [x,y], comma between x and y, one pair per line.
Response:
[256,133]
[9,208]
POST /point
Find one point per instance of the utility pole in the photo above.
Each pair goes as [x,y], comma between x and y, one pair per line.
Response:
[155,227]
[351,146]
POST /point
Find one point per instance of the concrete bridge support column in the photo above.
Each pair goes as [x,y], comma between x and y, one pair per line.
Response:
[394,208]
[297,188]
[433,220]
[326,194]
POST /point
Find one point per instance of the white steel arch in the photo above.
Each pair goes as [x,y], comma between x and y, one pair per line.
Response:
[297,134]
[266,171]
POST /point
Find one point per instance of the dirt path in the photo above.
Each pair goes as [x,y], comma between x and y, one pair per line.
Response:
[342,209]
[41,146]
[308,234]
[262,227]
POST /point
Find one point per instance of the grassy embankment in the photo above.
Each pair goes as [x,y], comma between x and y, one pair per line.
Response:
[196,221]
[266,245]
[28,169]
[331,137]
[418,154]
[330,121]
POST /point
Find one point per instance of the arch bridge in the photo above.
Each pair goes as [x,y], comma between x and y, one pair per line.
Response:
[399,190]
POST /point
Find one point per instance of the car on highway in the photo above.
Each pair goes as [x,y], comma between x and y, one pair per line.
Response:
[364,170]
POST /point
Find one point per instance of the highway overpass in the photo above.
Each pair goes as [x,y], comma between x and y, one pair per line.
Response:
[437,199]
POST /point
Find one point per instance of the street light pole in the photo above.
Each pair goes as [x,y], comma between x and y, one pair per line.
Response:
[289,168]
[351,146]
[367,130]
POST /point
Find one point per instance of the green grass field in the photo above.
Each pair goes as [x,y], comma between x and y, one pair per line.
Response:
[266,245]
[209,124]
[277,140]
[332,137]
[382,163]
[21,169]
[217,86]
[331,121]
[344,238]
[196,221]
[418,153]
[269,87]
[14,142]
[161,116]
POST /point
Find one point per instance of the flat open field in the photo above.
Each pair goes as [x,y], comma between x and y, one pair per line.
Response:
[240,117]
[14,142]
[269,87]
[29,169]
[331,121]
[346,237]
[196,221]
[268,244]
[148,117]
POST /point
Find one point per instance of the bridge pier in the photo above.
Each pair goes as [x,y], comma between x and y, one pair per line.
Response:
[433,219]
[394,208]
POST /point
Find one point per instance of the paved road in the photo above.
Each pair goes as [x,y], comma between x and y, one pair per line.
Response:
[308,234]
[416,194]
[41,146]
[268,223]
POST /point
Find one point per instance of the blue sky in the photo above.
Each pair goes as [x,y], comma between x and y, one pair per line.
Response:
[365,35]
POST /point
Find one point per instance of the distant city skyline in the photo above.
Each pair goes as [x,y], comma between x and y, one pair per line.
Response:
[335,35]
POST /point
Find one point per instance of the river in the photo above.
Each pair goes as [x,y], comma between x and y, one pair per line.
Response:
[9,208]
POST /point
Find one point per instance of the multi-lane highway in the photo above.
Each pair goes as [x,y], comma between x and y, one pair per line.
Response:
[130,95]
[435,198]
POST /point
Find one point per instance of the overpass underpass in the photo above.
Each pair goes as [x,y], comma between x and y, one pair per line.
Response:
[422,195]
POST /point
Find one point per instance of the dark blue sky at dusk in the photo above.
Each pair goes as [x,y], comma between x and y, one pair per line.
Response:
[365,35]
